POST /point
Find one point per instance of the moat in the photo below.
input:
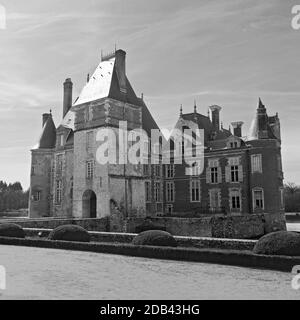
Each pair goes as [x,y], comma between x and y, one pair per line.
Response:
[35,273]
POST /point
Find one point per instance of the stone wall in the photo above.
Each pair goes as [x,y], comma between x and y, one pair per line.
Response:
[246,226]
[176,226]
[101,224]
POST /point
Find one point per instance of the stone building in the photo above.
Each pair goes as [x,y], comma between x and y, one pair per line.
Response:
[242,174]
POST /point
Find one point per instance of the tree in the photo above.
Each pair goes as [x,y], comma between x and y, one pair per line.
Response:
[12,196]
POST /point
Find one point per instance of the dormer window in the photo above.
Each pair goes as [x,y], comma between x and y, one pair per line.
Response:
[233,143]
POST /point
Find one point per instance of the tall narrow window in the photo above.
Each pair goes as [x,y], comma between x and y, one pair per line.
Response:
[170,191]
[59,163]
[61,140]
[169,170]
[214,199]
[214,171]
[158,170]
[148,191]
[157,191]
[58,192]
[234,173]
[195,190]
[90,169]
[89,140]
[258,199]
[235,199]
[256,163]
[281,190]
[214,175]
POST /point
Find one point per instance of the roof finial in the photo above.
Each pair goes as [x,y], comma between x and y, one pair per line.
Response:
[180,110]
[88,77]
[142,96]
[195,106]
[115,47]
[50,112]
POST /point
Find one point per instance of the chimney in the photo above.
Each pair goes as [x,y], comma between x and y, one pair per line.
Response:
[237,128]
[121,69]
[215,116]
[68,87]
[45,118]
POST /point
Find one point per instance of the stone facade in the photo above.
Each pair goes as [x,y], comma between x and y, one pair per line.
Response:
[242,174]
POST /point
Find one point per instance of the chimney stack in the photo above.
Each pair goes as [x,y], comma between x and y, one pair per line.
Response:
[237,128]
[121,69]
[68,88]
[215,116]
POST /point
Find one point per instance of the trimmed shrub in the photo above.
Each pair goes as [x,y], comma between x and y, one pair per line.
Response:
[155,238]
[11,230]
[279,243]
[148,225]
[69,232]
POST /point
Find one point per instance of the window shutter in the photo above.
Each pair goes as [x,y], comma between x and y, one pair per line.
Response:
[227,174]
[219,175]
[240,173]
[208,176]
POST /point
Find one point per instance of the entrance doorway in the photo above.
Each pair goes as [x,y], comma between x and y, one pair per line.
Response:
[89,204]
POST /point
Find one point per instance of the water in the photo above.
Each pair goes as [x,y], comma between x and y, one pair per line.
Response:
[37,273]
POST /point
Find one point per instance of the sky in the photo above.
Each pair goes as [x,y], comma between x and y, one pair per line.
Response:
[217,52]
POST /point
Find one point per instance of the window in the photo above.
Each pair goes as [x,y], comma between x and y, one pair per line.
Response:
[37,196]
[215,199]
[58,191]
[147,169]
[258,199]
[281,191]
[234,173]
[170,171]
[213,172]
[61,140]
[234,170]
[157,170]
[59,163]
[89,140]
[71,190]
[170,190]
[90,169]
[157,191]
[235,199]
[195,190]
[214,175]
[256,163]
[148,191]
[169,208]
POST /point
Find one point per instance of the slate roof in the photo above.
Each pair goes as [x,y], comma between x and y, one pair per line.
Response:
[48,137]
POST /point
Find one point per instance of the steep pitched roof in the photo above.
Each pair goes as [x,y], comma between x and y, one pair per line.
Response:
[260,126]
[48,137]
[99,84]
